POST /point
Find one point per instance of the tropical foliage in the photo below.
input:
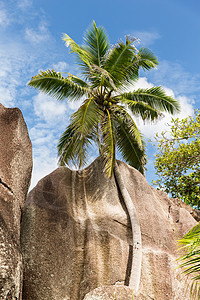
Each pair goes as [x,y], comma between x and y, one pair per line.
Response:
[107,73]
[190,261]
[178,160]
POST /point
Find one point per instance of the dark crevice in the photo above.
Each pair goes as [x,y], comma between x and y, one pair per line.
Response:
[129,266]
[122,223]
[6,186]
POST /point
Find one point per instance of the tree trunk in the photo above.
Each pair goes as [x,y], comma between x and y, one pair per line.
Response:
[137,243]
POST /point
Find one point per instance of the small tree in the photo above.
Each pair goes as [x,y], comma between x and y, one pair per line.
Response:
[178,160]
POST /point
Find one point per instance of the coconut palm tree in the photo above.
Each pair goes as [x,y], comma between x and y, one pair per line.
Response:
[105,117]
[189,262]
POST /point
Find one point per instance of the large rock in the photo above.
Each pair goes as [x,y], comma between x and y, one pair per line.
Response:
[15,173]
[76,236]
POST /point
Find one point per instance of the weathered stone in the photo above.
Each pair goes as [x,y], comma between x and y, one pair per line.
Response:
[111,292]
[15,173]
[194,212]
[76,236]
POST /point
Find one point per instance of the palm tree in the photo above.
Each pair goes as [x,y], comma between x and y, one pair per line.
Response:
[106,114]
[189,262]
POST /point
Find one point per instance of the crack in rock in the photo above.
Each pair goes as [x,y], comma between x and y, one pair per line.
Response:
[6,186]
[121,223]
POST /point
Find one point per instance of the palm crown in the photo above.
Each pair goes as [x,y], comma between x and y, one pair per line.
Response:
[105,116]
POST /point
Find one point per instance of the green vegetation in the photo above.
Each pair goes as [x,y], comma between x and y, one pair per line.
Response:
[178,160]
[178,167]
[105,116]
[190,261]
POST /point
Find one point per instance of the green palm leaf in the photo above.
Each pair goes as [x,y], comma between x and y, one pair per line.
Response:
[54,84]
[142,109]
[147,60]
[81,54]
[155,97]
[79,134]
[96,44]
[79,81]
[129,140]
[190,261]
[120,63]
[67,147]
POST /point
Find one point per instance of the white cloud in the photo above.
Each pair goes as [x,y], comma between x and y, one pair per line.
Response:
[13,70]
[44,162]
[148,128]
[37,36]
[61,66]
[141,83]
[49,109]
[4,18]
[74,105]
[44,139]
[41,136]
[24,4]
[51,122]
[12,12]
[10,78]
[7,96]
[146,38]
[174,75]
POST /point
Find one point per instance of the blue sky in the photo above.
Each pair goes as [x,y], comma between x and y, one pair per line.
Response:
[30,35]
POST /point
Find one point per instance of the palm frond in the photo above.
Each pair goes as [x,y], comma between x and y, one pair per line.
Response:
[96,44]
[120,63]
[77,50]
[146,59]
[156,98]
[79,134]
[108,147]
[54,84]
[190,261]
[79,81]
[100,77]
[67,147]
[142,109]
[129,140]
[192,237]
[86,117]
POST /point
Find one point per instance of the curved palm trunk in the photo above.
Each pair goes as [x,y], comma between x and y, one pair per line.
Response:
[137,243]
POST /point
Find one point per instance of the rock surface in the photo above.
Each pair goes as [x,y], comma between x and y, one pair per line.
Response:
[15,173]
[76,236]
[111,292]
